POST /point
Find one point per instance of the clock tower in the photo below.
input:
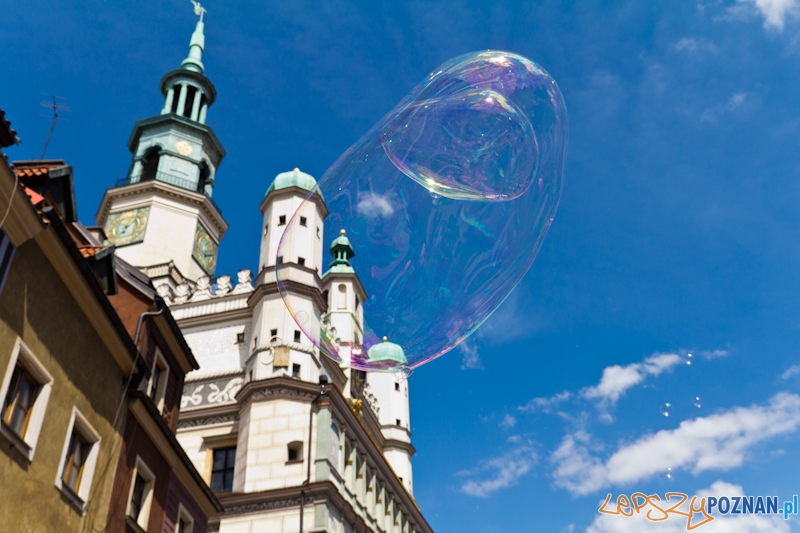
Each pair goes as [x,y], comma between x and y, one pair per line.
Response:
[161,216]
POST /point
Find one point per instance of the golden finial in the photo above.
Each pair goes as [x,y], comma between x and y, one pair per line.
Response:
[385,339]
[342,232]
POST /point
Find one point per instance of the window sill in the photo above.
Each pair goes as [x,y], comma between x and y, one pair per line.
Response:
[16,441]
[134,525]
[295,462]
[75,500]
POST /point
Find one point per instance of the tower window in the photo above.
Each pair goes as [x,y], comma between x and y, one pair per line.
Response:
[280,259]
[303,221]
[282,220]
[222,469]
[273,333]
[205,173]
[295,450]
[295,370]
[187,106]
[318,237]
[150,163]
[397,422]
[297,335]
[301,261]
[240,338]
[176,92]
[397,386]
[266,229]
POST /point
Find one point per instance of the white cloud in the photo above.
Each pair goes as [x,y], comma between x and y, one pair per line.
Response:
[471,358]
[691,44]
[716,442]
[713,354]
[791,371]
[618,379]
[502,472]
[712,114]
[775,12]
[545,404]
[721,523]
[372,205]
[508,422]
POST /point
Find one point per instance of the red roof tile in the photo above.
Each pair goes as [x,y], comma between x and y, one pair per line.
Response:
[37,167]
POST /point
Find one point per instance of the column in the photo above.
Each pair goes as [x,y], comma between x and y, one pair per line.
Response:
[196,105]
[168,101]
[203,110]
[182,99]
[322,471]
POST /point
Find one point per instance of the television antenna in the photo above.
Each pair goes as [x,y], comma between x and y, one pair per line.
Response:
[56,107]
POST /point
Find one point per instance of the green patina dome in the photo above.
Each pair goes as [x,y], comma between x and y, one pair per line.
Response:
[293,178]
[387,351]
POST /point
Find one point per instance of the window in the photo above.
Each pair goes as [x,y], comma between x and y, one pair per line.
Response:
[295,451]
[266,229]
[141,494]
[222,469]
[150,163]
[78,460]
[297,335]
[303,221]
[342,288]
[240,338]
[158,380]
[25,391]
[318,237]
[295,370]
[273,333]
[185,522]
[187,105]
[280,259]
[176,91]
[397,386]
[282,220]
[301,261]
[6,254]
[397,422]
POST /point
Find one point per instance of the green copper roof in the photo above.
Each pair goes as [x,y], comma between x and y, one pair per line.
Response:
[342,252]
[293,178]
[387,351]
[194,61]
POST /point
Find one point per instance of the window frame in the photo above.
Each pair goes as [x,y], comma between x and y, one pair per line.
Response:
[304,221]
[141,470]
[22,356]
[281,220]
[160,385]
[224,469]
[80,425]
[185,517]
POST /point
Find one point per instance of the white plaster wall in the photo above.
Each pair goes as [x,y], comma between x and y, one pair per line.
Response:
[215,346]
[272,426]
[305,244]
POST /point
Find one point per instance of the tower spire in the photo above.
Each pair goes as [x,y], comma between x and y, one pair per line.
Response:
[194,61]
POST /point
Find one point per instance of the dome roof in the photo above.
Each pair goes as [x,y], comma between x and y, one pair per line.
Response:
[293,178]
[387,351]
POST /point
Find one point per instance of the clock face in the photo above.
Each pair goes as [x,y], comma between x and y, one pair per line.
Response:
[183,147]
[127,227]
[205,249]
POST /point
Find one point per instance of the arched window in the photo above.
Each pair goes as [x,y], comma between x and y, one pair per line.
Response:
[150,163]
[342,296]
[333,456]
[176,94]
[187,106]
[204,175]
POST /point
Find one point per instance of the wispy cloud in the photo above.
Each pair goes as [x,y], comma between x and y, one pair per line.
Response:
[721,524]
[499,472]
[712,114]
[791,371]
[693,44]
[470,359]
[372,205]
[508,422]
[545,404]
[618,379]
[716,442]
[775,12]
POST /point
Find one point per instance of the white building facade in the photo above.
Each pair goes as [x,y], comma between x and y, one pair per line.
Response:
[288,439]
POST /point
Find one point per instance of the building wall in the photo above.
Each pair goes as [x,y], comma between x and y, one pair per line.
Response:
[38,308]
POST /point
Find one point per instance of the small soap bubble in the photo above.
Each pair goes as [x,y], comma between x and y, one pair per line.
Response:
[670,473]
[666,409]
[445,203]
[688,358]
[301,317]
[696,402]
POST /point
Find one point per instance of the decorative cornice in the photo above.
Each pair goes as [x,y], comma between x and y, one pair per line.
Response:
[198,200]
[208,421]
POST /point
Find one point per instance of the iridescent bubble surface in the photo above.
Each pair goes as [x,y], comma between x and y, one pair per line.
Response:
[444,204]
[667,409]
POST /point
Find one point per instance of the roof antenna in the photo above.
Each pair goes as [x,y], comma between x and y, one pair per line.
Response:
[56,106]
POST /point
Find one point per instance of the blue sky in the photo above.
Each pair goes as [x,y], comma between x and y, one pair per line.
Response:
[677,231]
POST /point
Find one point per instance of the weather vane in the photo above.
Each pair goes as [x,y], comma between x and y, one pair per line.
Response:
[198,9]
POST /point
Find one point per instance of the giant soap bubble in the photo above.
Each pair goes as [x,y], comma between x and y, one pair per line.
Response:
[435,214]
